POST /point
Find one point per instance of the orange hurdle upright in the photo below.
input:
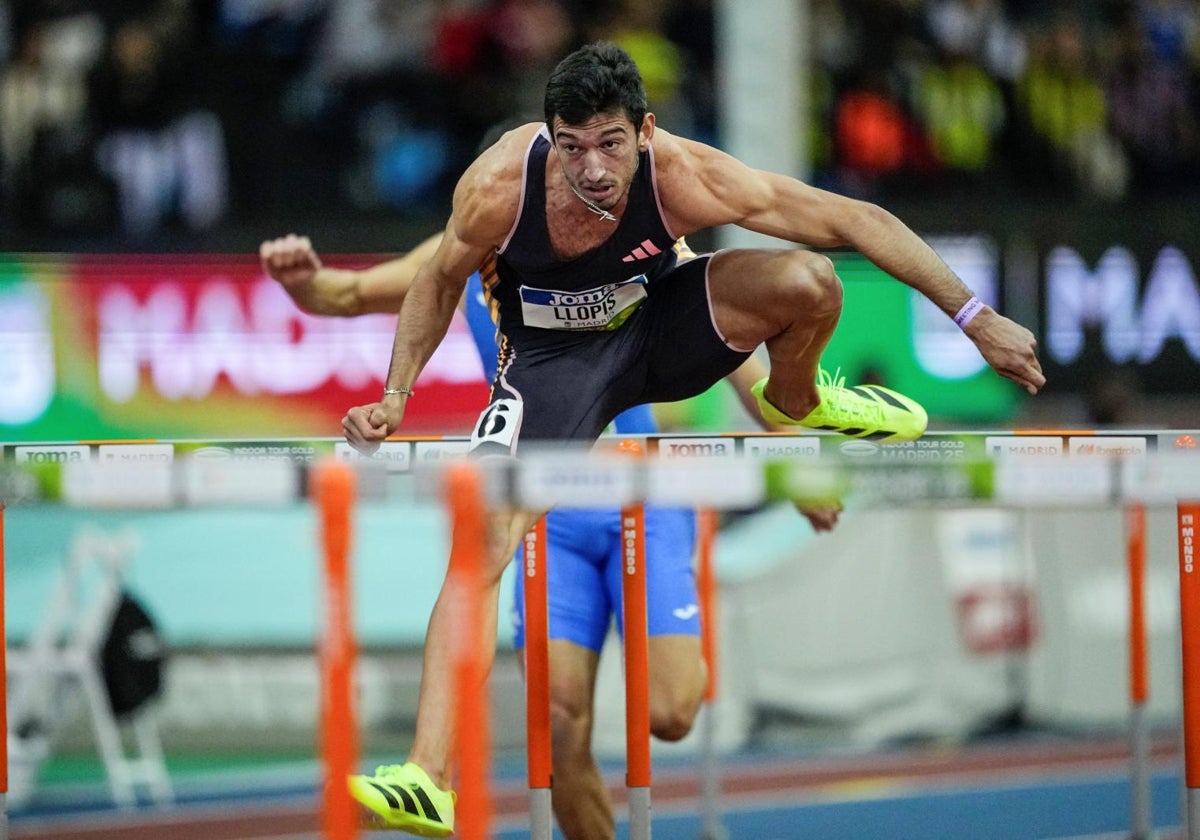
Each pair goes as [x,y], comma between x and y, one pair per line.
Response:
[537,683]
[472,741]
[637,659]
[1139,683]
[333,492]
[706,584]
[1188,516]
[637,669]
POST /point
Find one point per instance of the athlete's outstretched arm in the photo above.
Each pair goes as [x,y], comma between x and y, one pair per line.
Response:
[428,308]
[485,207]
[293,262]
[701,187]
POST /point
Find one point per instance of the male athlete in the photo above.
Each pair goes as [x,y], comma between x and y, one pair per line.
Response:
[584,583]
[596,314]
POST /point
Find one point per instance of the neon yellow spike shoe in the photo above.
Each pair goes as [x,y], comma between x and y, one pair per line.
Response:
[864,411]
[402,797]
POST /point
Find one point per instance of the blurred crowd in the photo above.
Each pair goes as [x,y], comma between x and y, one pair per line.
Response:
[130,117]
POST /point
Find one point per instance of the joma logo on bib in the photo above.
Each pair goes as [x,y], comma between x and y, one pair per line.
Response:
[602,308]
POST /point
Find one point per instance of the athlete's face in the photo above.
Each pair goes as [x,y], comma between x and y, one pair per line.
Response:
[600,156]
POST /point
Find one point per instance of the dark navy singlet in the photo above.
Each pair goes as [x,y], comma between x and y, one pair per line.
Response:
[584,339]
[537,289]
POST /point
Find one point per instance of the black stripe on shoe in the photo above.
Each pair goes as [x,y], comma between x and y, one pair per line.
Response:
[394,794]
[426,803]
[409,804]
[880,435]
[886,397]
[391,800]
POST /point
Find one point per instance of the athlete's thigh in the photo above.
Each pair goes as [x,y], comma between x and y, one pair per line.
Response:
[685,351]
[672,603]
[755,294]
[573,671]
[575,555]
[676,664]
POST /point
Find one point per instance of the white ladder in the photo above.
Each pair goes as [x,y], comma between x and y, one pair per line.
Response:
[63,654]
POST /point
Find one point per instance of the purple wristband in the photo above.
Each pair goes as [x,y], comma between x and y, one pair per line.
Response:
[969,310]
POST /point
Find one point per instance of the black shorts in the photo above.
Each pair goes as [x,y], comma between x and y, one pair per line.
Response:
[565,385]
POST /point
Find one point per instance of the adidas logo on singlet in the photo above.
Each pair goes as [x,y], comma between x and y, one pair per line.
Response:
[642,252]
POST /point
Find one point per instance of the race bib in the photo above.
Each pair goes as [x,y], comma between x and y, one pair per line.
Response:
[498,425]
[603,308]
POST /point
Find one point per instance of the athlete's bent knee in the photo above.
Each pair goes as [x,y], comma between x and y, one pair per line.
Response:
[816,282]
[673,721]
[672,727]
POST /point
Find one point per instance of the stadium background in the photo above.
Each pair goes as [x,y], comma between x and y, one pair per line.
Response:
[1050,152]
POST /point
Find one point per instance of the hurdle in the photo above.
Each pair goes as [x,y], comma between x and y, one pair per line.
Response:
[472,739]
[711,827]
[333,492]
[637,670]
[1139,682]
[1015,483]
[637,691]
[537,683]
[1187,518]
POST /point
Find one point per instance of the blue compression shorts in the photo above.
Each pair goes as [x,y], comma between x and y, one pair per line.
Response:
[584,563]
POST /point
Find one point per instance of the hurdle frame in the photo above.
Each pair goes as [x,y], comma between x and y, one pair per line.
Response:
[1139,681]
[637,670]
[537,683]
[333,496]
[1187,518]
[711,826]
[1191,649]
[535,560]
[472,734]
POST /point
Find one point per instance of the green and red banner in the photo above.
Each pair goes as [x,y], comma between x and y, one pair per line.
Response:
[137,346]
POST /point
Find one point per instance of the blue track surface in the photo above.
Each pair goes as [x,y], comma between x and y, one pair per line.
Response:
[1067,808]
[1035,802]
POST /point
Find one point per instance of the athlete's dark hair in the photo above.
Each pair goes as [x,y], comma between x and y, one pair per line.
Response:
[597,79]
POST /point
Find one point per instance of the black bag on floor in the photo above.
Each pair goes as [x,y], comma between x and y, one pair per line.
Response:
[132,657]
